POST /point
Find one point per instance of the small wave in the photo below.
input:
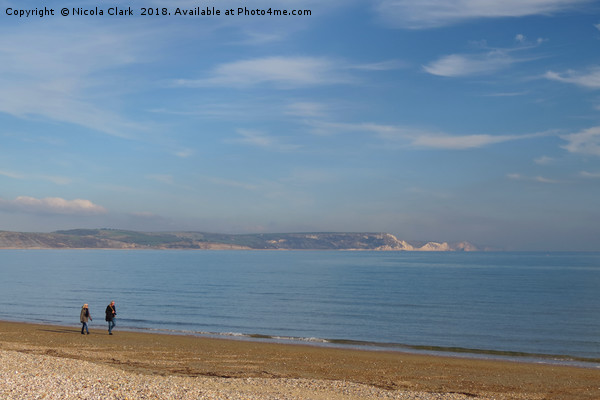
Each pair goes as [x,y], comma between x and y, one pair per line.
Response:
[301,339]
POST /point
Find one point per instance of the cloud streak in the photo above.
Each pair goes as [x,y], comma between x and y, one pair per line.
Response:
[539,179]
[585,142]
[59,180]
[410,14]
[261,139]
[463,142]
[51,205]
[458,65]
[280,72]
[589,79]
[591,175]
[420,138]
[484,63]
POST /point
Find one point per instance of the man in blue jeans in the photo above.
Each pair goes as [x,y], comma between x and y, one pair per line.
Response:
[111,314]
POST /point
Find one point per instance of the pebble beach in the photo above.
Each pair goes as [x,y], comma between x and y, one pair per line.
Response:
[53,362]
[26,376]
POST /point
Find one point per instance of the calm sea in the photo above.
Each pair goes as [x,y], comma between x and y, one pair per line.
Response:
[538,305]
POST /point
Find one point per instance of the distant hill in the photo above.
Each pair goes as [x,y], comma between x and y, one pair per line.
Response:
[123,239]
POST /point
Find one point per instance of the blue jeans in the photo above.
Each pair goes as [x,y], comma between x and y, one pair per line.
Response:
[111,325]
[84,327]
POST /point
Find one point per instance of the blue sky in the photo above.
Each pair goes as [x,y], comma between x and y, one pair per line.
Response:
[440,120]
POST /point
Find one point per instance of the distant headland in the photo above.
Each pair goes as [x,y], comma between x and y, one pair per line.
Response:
[124,239]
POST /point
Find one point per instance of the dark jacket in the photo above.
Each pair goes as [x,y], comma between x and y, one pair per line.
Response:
[111,312]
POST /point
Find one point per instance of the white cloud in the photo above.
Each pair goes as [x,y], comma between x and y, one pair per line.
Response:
[332,128]
[281,72]
[456,65]
[544,160]
[412,14]
[540,179]
[585,142]
[514,176]
[544,180]
[589,79]
[593,175]
[597,26]
[461,142]
[489,60]
[51,205]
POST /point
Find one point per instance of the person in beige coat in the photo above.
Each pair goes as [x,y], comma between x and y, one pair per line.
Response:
[84,316]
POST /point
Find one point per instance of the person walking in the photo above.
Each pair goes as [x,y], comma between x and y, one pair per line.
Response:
[111,314]
[84,316]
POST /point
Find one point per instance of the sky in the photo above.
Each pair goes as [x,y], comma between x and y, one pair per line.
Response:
[444,120]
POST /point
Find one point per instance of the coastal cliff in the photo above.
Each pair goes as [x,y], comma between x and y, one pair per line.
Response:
[122,239]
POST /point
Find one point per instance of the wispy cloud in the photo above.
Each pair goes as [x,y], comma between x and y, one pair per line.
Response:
[162,178]
[280,72]
[420,138]
[51,205]
[306,109]
[540,179]
[544,160]
[462,142]
[184,153]
[456,65]
[261,139]
[13,175]
[489,61]
[63,74]
[592,175]
[59,180]
[506,94]
[586,141]
[412,14]
[588,79]
[381,66]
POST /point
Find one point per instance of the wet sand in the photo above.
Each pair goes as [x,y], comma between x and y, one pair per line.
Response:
[265,369]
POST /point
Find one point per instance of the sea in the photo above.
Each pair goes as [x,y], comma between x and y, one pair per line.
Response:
[534,307]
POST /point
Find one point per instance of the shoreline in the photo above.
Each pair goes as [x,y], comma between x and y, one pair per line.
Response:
[348,344]
[395,373]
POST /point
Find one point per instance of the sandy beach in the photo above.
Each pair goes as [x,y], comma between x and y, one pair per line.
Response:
[57,362]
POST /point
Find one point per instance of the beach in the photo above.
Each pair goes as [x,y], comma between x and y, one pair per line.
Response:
[57,362]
